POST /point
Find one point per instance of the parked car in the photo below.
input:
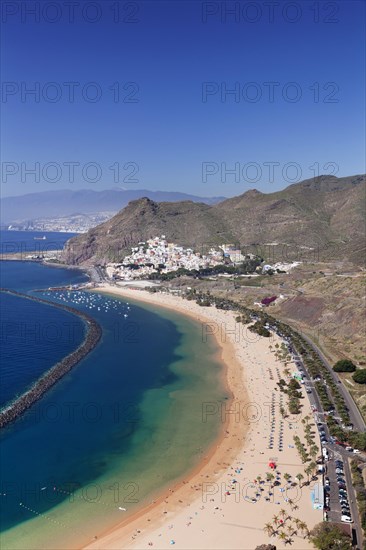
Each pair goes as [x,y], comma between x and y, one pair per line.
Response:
[327,481]
[346,519]
[349,449]
[356,451]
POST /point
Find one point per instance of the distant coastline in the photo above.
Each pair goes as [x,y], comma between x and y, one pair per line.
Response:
[16,408]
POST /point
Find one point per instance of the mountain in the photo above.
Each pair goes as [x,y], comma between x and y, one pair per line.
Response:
[314,212]
[325,215]
[188,223]
[67,202]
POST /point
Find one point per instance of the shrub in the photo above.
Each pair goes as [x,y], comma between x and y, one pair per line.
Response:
[327,536]
[260,329]
[344,365]
[360,376]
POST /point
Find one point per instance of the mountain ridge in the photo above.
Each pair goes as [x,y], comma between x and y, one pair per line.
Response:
[327,217]
[66,202]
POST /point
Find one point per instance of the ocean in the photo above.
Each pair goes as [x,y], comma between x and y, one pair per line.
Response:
[122,425]
[13,242]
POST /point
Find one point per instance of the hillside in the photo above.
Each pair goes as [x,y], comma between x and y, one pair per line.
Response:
[190,224]
[324,216]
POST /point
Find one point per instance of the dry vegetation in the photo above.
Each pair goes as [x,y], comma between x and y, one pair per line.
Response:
[325,301]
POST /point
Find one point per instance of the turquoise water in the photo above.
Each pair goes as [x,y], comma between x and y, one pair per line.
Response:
[125,422]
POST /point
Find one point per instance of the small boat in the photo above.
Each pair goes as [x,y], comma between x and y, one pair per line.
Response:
[40,238]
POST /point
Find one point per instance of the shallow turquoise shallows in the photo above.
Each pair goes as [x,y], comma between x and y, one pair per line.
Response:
[124,423]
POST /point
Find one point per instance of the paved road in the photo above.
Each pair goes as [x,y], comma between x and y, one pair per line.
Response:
[355,415]
[335,452]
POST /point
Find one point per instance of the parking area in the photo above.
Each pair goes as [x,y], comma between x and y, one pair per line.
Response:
[337,499]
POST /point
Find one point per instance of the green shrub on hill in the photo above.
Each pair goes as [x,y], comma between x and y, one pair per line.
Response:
[344,365]
[360,376]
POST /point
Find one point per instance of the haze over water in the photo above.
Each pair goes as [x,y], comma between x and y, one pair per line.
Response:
[123,423]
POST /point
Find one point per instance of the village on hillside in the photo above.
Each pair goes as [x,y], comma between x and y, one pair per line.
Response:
[160,257]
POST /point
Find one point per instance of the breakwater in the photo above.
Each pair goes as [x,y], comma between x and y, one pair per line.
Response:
[17,407]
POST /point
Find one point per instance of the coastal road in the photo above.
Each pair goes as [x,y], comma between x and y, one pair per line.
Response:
[96,274]
[355,415]
[335,452]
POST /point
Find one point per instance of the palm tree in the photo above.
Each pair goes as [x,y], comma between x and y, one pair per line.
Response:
[275,520]
[299,477]
[312,466]
[282,536]
[308,471]
[268,529]
[303,527]
[270,478]
[314,451]
[286,476]
[282,513]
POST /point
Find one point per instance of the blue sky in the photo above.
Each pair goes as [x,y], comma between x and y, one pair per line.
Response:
[173,127]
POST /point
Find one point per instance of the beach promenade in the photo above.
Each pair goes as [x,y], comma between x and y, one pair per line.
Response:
[245,491]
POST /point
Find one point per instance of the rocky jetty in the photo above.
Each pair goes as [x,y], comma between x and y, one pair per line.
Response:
[17,407]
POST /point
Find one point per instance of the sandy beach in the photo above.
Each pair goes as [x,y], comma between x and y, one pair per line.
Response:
[227,500]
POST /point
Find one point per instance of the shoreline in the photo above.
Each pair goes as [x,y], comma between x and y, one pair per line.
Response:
[145,527]
[17,407]
[226,356]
